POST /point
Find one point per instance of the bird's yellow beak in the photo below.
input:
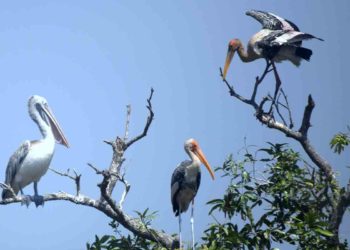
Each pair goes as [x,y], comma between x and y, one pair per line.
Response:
[230,53]
[202,158]
[56,129]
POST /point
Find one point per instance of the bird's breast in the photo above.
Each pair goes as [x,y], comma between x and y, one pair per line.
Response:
[191,175]
[35,164]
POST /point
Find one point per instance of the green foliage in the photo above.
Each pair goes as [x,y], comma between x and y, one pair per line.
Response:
[340,141]
[285,203]
[132,242]
[273,197]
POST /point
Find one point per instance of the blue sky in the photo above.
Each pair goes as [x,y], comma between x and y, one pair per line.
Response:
[90,59]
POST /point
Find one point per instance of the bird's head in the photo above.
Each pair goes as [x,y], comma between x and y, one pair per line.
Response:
[39,109]
[233,46]
[191,145]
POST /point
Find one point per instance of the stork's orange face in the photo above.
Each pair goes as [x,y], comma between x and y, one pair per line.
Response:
[194,147]
[233,45]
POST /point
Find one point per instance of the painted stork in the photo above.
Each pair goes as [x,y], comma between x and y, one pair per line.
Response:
[32,159]
[278,40]
[185,182]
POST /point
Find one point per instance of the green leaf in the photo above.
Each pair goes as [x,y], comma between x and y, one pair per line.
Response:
[324,232]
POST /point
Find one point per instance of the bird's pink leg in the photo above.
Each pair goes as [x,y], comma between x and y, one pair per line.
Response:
[180,237]
[278,84]
[192,224]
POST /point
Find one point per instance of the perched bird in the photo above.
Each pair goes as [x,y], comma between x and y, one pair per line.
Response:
[278,40]
[32,159]
[185,182]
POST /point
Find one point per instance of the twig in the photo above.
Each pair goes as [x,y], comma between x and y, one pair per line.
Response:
[234,94]
[125,192]
[305,125]
[258,80]
[94,168]
[75,178]
[277,104]
[128,112]
[291,124]
[148,123]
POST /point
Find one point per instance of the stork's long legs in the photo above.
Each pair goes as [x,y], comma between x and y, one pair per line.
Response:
[278,85]
[180,237]
[192,224]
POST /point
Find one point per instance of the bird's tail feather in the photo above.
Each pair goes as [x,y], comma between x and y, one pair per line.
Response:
[303,53]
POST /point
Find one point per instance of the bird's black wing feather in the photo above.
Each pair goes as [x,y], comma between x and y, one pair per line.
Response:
[14,164]
[267,46]
[176,182]
[198,180]
[271,21]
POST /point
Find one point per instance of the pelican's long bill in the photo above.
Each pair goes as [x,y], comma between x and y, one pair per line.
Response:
[56,129]
[230,53]
[202,158]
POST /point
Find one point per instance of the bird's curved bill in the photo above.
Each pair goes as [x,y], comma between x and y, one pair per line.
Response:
[202,158]
[56,129]
[229,56]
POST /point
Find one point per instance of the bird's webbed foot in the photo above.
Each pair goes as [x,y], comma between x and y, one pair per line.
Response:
[26,200]
[38,200]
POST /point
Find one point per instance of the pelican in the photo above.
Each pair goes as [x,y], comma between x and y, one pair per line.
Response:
[278,40]
[185,182]
[32,159]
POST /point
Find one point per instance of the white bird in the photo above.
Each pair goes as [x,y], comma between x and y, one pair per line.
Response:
[185,182]
[278,40]
[32,159]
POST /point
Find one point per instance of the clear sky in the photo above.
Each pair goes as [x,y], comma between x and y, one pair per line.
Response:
[92,58]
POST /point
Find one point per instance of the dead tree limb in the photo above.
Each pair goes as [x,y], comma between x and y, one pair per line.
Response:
[111,176]
[75,178]
[340,199]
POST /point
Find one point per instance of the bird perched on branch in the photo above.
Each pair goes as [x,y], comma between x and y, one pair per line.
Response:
[185,182]
[278,40]
[32,159]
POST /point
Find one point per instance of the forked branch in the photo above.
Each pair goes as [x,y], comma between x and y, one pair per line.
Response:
[105,203]
[339,201]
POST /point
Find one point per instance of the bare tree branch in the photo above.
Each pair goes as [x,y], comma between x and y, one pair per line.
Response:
[132,224]
[105,203]
[148,123]
[305,125]
[291,124]
[338,202]
[128,112]
[75,178]
[300,136]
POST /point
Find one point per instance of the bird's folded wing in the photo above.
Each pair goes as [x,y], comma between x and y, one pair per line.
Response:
[15,161]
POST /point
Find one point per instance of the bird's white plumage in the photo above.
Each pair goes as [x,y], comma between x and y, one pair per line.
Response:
[252,44]
[36,163]
[289,38]
[32,159]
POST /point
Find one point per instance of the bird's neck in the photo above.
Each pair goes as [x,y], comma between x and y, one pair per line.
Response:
[246,55]
[195,160]
[44,128]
